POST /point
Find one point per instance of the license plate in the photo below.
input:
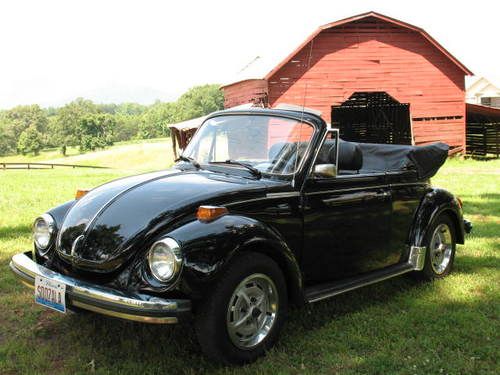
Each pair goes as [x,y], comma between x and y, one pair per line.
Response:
[50,293]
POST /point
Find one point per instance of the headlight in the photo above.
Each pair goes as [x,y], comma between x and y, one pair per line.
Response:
[43,230]
[165,259]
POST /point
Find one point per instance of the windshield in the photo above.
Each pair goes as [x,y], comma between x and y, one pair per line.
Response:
[269,144]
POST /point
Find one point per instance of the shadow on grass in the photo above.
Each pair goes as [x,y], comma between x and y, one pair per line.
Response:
[468,265]
[15,231]
[117,346]
[489,204]
[112,339]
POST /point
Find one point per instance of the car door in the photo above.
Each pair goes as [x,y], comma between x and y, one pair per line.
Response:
[347,226]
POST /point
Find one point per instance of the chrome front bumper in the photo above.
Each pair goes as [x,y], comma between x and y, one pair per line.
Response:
[103,300]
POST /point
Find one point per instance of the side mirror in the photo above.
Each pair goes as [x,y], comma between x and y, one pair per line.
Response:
[325,170]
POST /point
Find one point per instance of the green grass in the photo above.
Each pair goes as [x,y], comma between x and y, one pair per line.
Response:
[147,155]
[398,326]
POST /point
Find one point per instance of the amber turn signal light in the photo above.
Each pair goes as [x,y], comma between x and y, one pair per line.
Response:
[81,192]
[209,213]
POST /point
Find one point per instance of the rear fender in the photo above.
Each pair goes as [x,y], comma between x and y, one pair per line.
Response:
[434,203]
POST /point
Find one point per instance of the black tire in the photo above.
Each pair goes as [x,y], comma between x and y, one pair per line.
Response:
[429,271]
[212,313]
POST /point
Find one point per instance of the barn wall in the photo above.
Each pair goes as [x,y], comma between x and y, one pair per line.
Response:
[250,91]
[378,56]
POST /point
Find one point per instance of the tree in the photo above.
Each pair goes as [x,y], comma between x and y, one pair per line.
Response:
[127,127]
[154,122]
[131,109]
[30,141]
[65,130]
[96,131]
[22,117]
[7,140]
[199,101]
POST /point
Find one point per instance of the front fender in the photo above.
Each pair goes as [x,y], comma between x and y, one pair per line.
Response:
[59,212]
[434,203]
[209,247]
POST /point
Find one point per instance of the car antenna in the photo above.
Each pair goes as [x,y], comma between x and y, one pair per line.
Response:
[302,113]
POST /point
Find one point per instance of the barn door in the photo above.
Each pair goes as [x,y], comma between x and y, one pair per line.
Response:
[373,117]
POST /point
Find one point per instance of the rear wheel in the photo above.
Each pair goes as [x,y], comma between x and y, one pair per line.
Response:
[244,313]
[440,243]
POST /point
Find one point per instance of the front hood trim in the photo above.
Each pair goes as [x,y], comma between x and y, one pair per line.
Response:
[117,256]
[73,257]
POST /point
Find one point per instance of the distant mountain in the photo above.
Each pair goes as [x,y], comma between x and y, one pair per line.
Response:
[117,93]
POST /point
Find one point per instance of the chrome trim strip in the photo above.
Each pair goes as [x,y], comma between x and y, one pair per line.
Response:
[292,194]
[410,184]
[283,195]
[357,286]
[136,305]
[416,262]
[346,190]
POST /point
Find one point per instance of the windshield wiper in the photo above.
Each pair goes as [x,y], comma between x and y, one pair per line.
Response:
[189,160]
[253,170]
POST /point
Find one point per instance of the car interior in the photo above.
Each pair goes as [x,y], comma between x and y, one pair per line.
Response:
[366,158]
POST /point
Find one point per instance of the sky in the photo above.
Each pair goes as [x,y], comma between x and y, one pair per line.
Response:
[124,50]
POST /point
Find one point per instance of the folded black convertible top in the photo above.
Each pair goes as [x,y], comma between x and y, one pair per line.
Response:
[426,160]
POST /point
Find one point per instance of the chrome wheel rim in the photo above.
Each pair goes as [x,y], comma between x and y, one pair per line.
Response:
[252,311]
[441,248]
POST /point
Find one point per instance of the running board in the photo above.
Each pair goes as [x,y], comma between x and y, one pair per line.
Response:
[319,292]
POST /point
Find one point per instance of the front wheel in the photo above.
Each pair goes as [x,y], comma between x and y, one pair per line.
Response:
[440,243]
[243,315]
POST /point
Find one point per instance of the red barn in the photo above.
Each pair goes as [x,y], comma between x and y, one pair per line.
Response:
[369,71]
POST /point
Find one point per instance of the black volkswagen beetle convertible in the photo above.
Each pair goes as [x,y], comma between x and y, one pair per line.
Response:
[264,209]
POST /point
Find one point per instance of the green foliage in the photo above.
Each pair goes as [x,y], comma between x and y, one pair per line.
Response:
[95,131]
[127,127]
[7,140]
[199,101]
[30,141]
[22,117]
[65,130]
[154,122]
[21,129]
[196,102]
[131,109]
[75,124]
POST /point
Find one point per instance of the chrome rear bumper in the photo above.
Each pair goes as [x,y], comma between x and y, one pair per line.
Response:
[103,300]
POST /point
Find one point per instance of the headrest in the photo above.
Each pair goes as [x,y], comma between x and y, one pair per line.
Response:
[350,156]
[326,154]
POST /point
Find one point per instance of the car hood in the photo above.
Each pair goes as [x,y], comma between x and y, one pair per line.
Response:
[105,227]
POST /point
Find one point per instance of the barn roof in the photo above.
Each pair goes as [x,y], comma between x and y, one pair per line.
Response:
[482,113]
[257,68]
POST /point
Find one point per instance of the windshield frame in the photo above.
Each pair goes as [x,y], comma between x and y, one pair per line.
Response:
[302,118]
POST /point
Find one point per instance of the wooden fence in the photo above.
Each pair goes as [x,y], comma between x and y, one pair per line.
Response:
[5,166]
[483,139]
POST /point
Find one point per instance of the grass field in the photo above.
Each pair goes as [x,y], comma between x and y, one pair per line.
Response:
[397,327]
[147,155]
